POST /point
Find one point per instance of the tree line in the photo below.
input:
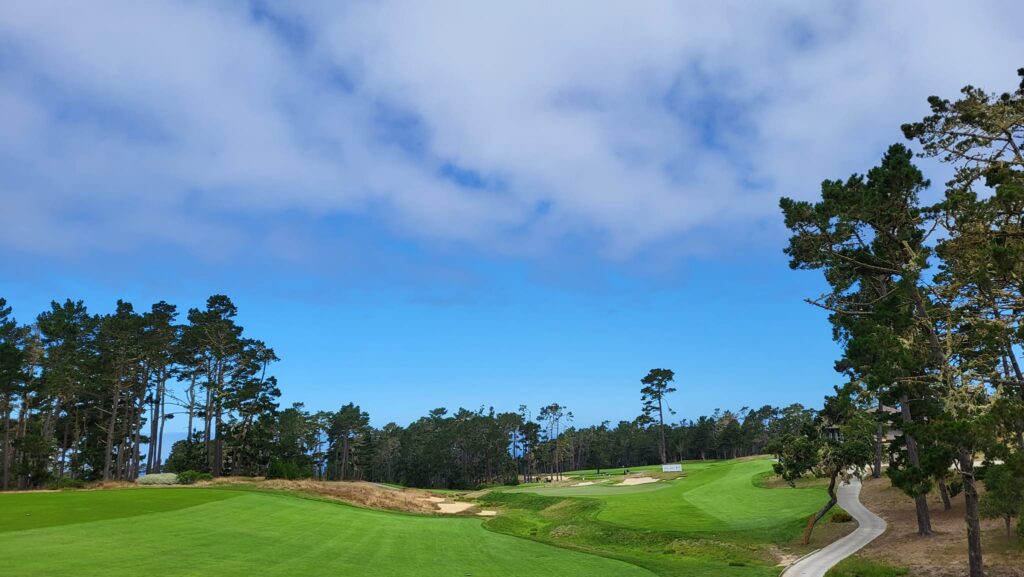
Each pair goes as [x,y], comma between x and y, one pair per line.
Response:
[88,397]
[926,301]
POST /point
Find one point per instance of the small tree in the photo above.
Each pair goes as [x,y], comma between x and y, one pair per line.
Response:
[838,443]
[1004,495]
[552,416]
[655,386]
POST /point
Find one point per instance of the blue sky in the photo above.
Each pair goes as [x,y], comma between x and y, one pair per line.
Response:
[427,204]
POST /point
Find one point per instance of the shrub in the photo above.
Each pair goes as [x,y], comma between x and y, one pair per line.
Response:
[62,483]
[185,456]
[286,470]
[189,477]
[158,479]
[842,517]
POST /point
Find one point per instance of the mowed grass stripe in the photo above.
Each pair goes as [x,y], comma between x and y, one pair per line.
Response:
[21,511]
[723,498]
[715,497]
[256,534]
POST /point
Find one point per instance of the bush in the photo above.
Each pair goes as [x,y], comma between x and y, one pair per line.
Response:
[286,470]
[842,517]
[158,479]
[62,483]
[186,456]
[189,477]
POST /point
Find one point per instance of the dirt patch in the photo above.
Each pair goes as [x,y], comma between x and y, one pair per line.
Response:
[638,481]
[943,554]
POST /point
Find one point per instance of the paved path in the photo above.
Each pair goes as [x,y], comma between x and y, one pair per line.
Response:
[870,526]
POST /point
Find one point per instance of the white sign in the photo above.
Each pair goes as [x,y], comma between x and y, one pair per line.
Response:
[672,468]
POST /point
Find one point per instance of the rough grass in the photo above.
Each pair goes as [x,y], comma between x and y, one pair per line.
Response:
[357,493]
[254,534]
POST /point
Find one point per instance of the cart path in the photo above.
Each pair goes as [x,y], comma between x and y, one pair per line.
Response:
[870,526]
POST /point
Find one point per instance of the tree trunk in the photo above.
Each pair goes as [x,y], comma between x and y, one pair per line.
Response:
[924,522]
[108,456]
[974,559]
[218,443]
[162,416]
[661,422]
[5,479]
[136,442]
[945,495]
[876,466]
[832,500]
[76,444]
[344,457]
[944,492]
[21,431]
[154,417]
[207,420]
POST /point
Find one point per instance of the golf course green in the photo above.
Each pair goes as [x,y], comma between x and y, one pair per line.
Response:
[715,497]
[198,532]
[718,520]
[724,497]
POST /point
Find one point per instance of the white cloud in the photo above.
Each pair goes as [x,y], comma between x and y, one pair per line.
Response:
[629,124]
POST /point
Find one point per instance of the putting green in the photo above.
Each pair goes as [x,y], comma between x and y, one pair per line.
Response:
[720,497]
[193,532]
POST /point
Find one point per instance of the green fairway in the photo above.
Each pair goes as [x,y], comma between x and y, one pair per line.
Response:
[714,498]
[21,511]
[198,532]
[721,498]
[717,521]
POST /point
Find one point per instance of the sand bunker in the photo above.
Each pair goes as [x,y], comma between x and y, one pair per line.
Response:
[638,481]
[584,484]
[488,513]
[433,499]
[453,507]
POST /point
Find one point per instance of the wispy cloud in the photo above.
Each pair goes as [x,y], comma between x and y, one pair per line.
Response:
[508,127]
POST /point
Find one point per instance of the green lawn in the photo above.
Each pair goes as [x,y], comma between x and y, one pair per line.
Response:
[715,498]
[20,511]
[722,498]
[200,532]
[717,521]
